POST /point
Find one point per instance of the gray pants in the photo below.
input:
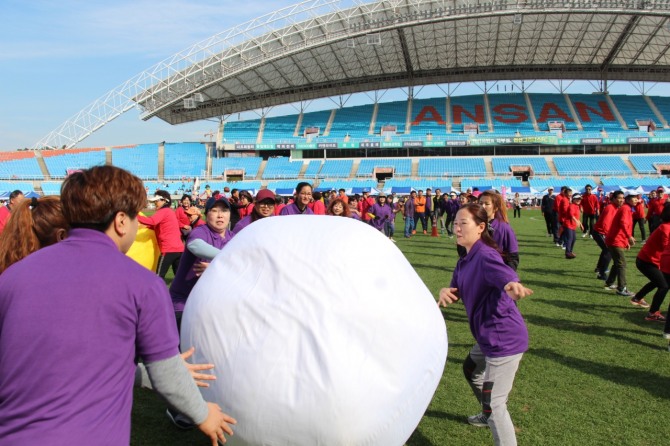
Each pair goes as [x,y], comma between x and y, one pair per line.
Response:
[491,380]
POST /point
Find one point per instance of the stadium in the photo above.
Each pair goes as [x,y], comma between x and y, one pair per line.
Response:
[399,95]
[520,139]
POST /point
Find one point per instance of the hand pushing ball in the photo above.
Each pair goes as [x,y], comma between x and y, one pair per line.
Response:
[321,333]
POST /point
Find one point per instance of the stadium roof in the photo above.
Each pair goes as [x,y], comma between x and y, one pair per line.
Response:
[323,48]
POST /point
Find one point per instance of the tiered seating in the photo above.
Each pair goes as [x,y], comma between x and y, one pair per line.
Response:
[649,181]
[51,187]
[391,113]
[16,155]
[250,165]
[349,186]
[645,163]
[22,169]
[58,164]
[252,186]
[401,167]
[280,127]
[588,107]
[551,107]
[10,186]
[313,169]
[336,168]
[662,103]
[187,159]
[242,131]
[282,167]
[490,183]
[352,121]
[518,102]
[632,108]
[466,110]
[444,184]
[460,167]
[141,160]
[502,166]
[427,113]
[573,182]
[595,165]
[579,134]
[314,119]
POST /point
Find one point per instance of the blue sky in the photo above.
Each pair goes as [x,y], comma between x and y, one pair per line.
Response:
[58,57]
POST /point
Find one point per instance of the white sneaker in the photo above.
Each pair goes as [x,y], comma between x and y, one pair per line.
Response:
[584,235]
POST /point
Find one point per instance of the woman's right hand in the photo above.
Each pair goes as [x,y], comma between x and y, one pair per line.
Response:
[217,424]
[447,296]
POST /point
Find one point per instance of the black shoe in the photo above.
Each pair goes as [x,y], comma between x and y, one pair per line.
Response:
[179,420]
[601,277]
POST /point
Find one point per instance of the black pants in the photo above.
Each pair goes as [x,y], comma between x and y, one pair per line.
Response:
[656,280]
[605,256]
[167,260]
[643,231]
[420,216]
[588,221]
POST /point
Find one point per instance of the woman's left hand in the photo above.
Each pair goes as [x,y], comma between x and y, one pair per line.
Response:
[517,291]
[200,268]
[195,369]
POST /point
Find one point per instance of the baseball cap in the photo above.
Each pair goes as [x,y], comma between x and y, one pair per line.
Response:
[265,194]
[577,197]
[215,201]
[631,194]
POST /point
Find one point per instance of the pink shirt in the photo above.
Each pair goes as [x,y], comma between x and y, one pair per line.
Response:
[164,223]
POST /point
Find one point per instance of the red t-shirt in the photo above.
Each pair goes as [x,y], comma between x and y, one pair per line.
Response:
[656,243]
[164,223]
[319,208]
[604,222]
[639,211]
[572,211]
[622,228]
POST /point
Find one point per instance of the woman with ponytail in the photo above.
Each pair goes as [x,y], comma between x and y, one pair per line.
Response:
[499,228]
[488,289]
[34,224]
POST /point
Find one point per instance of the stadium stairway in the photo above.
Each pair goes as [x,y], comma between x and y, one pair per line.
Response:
[354,168]
[488,162]
[42,164]
[656,111]
[161,161]
[415,168]
[303,169]
[552,166]
[630,166]
[261,169]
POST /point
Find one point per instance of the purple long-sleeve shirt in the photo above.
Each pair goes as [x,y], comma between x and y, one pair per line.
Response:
[504,236]
[185,278]
[382,215]
[292,209]
[495,321]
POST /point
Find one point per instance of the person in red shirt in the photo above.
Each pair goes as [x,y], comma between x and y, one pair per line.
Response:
[15,198]
[318,206]
[656,208]
[365,204]
[570,225]
[343,196]
[639,220]
[164,223]
[620,238]
[600,230]
[591,207]
[648,262]
[559,207]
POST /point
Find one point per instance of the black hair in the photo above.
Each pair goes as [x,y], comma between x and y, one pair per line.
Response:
[301,185]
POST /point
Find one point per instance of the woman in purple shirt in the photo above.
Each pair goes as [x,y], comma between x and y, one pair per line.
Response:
[303,196]
[202,245]
[501,232]
[264,207]
[101,304]
[380,214]
[488,289]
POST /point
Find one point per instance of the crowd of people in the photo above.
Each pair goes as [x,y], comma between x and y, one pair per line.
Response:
[98,215]
[610,220]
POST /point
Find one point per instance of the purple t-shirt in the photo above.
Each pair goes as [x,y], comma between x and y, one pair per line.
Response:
[246,221]
[495,321]
[185,279]
[504,236]
[382,215]
[74,317]
[292,209]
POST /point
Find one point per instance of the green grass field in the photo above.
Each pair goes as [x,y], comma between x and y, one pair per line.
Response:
[596,372]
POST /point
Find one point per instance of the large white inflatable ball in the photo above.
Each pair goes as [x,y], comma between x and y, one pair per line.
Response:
[321,333]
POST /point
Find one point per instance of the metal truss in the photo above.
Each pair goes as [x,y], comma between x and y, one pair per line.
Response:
[321,48]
